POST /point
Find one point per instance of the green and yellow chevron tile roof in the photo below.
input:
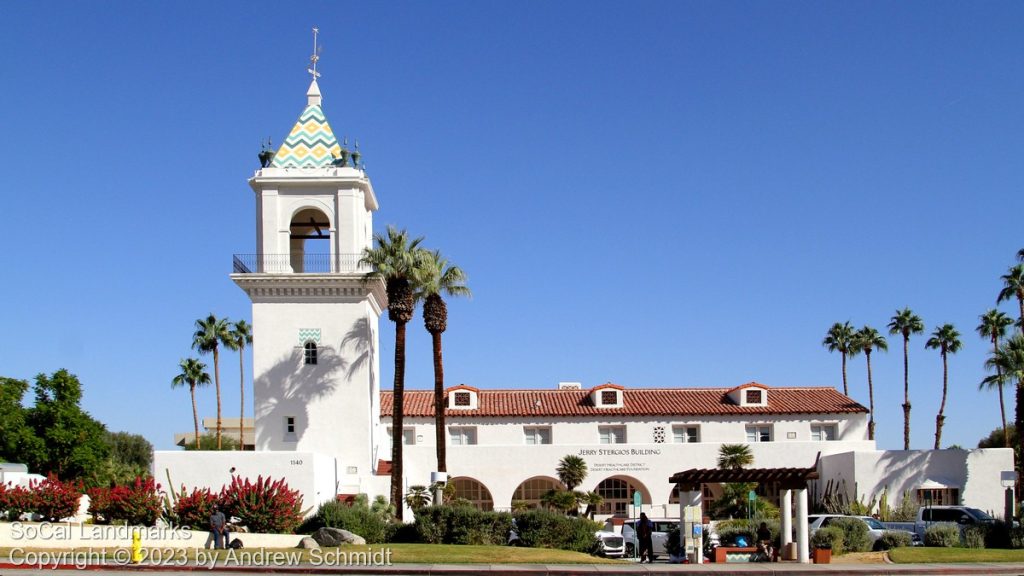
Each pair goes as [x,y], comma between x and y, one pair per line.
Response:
[311,143]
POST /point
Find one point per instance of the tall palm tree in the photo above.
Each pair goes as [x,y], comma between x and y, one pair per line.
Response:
[946,340]
[1009,360]
[839,339]
[905,323]
[572,470]
[867,340]
[193,373]
[437,279]
[1013,287]
[395,259]
[1020,255]
[210,333]
[240,336]
[734,456]
[993,327]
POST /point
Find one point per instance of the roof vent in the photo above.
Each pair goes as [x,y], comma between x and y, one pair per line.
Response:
[570,386]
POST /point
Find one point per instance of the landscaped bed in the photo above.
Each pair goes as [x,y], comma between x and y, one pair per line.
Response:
[931,555]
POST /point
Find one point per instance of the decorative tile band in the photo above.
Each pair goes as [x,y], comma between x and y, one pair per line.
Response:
[311,143]
[309,335]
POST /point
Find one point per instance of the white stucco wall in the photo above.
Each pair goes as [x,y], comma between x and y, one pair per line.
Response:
[974,472]
[313,475]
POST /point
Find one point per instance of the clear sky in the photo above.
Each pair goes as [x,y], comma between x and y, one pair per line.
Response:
[648,193]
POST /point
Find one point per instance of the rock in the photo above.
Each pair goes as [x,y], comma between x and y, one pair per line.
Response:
[308,543]
[331,537]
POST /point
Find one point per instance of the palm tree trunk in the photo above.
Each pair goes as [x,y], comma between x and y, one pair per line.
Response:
[906,394]
[940,419]
[439,430]
[216,378]
[846,391]
[1018,420]
[241,410]
[1002,404]
[195,413]
[1020,323]
[398,420]
[871,400]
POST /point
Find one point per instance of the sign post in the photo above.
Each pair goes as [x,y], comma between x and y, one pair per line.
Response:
[636,523]
[751,499]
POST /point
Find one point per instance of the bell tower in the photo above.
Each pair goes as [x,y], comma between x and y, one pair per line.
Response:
[315,316]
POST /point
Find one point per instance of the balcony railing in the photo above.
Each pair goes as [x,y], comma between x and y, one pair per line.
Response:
[297,263]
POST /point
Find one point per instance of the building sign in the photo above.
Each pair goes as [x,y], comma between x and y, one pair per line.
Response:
[632,464]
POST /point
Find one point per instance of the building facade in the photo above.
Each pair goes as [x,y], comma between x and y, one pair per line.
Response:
[322,422]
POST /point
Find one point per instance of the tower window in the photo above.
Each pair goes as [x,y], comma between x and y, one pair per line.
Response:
[289,425]
[609,397]
[754,397]
[309,353]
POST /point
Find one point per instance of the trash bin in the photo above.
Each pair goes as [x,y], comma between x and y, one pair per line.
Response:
[789,551]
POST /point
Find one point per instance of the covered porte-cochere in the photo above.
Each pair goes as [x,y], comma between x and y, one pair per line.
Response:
[786,480]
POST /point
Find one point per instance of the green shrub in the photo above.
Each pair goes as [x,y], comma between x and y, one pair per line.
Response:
[893,539]
[728,530]
[830,537]
[974,536]
[997,535]
[543,529]
[460,524]
[1015,537]
[357,518]
[942,535]
[855,534]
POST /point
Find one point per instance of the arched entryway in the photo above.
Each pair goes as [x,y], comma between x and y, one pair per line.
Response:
[617,494]
[310,241]
[474,491]
[529,493]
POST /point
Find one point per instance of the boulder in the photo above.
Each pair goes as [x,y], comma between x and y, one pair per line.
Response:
[308,543]
[331,537]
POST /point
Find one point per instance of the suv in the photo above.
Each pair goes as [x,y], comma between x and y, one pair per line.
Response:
[961,515]
[875,528]
[626,528]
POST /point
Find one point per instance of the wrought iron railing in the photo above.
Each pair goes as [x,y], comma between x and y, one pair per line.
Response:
[297,263]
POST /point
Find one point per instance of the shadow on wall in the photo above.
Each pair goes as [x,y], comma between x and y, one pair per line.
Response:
[900,470]
[291,385]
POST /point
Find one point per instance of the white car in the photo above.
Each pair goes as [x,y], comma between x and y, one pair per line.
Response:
[875,528]
[610,544]
[625,528]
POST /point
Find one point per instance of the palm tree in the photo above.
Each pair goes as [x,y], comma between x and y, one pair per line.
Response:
[905,323]
[572,470]
[993,327]
[395,260]
[1013,286]
[734,456]
[436,279]
[1020,255]
[418,497]
[866,340]
[1008,359]
[193,373]
[946,340]
[240,336]
[210,333]
[839,339]
[592,500]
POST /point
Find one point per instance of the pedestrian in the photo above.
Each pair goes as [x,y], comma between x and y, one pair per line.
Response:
[764,542]
[219,528]
[644,531]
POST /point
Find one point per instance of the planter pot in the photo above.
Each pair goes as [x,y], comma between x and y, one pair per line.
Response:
[821,555]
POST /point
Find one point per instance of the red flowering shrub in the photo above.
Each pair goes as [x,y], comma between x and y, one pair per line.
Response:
[193,509]
[99,504]
[15,501]
[55,499]
[264,505]
[137,504]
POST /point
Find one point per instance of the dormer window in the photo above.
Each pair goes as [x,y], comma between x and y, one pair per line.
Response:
[462,398]
[607,396]
[751,394]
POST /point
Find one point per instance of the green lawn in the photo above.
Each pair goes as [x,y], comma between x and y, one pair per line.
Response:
[923,555]
[400,554]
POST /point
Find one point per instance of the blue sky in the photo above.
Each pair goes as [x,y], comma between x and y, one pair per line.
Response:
[653,194]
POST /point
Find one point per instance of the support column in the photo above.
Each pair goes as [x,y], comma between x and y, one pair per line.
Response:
[786,527]
[802,543]
[696,499]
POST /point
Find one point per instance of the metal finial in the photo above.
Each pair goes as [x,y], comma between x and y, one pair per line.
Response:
[316,55]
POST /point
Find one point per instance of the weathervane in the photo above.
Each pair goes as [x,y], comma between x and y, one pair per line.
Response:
[315,57]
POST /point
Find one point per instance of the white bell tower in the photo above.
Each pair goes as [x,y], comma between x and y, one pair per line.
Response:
[315,317]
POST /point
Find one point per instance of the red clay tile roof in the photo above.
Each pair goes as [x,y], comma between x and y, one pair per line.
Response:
[463,387]
[748,385]
[607,385]
[636,402]
[384,466]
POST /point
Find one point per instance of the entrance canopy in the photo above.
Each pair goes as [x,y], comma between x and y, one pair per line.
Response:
[786,478]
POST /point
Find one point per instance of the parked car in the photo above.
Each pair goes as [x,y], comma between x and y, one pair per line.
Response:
[626,528]
[610,544]
[875,528]
[960,515]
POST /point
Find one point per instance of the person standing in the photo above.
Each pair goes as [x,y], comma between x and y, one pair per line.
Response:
[219,528]
[644,532]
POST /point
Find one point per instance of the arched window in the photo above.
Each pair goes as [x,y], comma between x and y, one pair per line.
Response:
[531,491]
[472,490]
[309,350]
